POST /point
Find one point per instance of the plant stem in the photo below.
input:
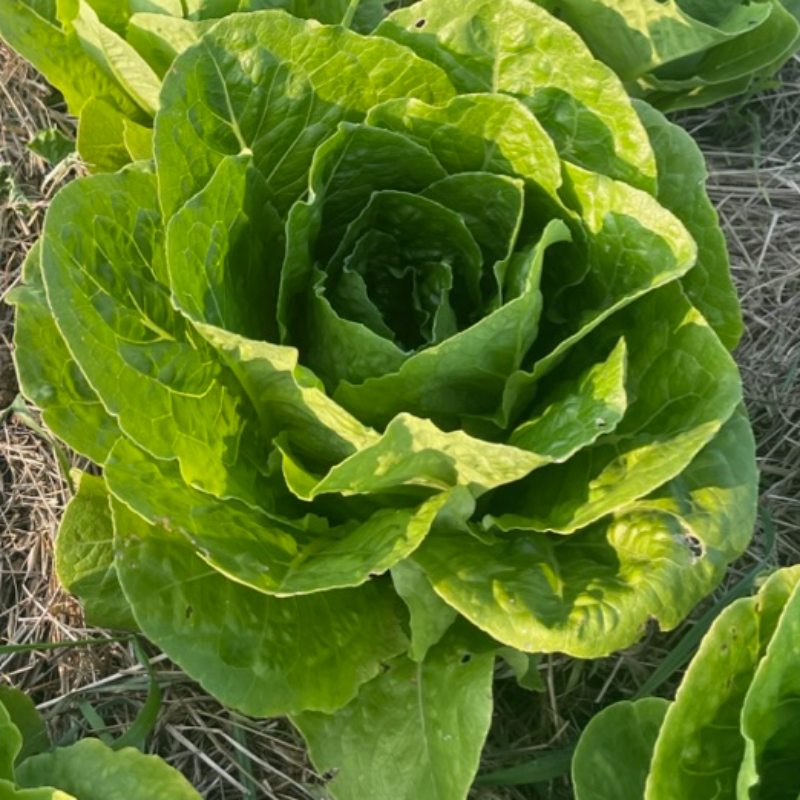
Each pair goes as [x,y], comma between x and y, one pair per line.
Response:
[347,20]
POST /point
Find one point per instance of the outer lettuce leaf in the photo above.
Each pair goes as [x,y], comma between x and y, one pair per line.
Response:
[10,744]
[25,718]
[93,771]
[258,654]
[85,556]
[685,55]
[10,792]
[330,12]
[612,759]
[701,746]
[58,55]
[771,709]
[50,377]
[593,592]
[231,221]
[635,37]
[429,616]
[683,386]
[681,189]
[159,38]
[101,136]
[112,53]
[140,357]
[272,554]
[433,717]
[112,13]
[138,140]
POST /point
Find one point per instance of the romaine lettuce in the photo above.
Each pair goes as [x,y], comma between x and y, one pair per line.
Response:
[686,53]
[731,731]
[407,351]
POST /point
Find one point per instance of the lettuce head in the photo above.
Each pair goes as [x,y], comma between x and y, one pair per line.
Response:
[406,352]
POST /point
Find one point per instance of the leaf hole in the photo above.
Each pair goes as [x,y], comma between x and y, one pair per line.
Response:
[693,545]
[466,658]
[420,23]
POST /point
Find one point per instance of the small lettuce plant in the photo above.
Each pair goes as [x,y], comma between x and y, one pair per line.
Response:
[686,53]
[30,769]
[731,732]
[406,352]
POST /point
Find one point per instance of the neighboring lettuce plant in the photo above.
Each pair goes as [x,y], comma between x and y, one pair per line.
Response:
[108,57]
[408,351]
[731,732]
[686,53]
[30,769]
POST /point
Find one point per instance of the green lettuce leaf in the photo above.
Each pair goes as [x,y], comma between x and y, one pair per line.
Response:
[525,52]
[679,54]
[701,746]
[681,189]
[612,759]
[772,707]
[92,771]
[680,410]
[272,554]
[10,744]
[10,792]
[433,716]
[593,592]
[58,55]
[48,374]
[339,78]
[101,136]
[261,655]
[112,53]
[159,38]
[141,358]
[25,718]
[429,616]
[85,556]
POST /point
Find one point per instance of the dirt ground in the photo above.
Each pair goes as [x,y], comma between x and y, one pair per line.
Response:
[753,151]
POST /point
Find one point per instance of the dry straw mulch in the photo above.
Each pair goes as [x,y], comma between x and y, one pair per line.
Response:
[753,150]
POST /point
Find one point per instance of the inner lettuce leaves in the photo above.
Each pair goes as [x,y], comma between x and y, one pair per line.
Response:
[396,358]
